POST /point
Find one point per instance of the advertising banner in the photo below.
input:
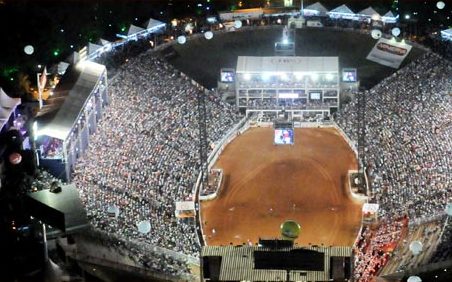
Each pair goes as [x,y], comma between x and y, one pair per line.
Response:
[389,53]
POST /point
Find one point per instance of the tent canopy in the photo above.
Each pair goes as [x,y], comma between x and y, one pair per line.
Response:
[315,9]
[389,17]
[342,12]
[369,13]
[447,34]
[78,84]
[92,48]
[133,29]
[153,23]
[7,106]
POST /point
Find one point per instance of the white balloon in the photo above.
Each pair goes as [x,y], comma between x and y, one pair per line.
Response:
[29,49]
[238,24]
[449,209]
[376,34]
[181,39]
[144,226]
[414,279]
[208,35]
[416,247]
[395,31]
[440,5]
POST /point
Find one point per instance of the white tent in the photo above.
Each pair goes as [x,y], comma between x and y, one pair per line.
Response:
[92,48]
[316,9]
[153,24]
[369,13]
[342,12]
[7,106]
[389,17]
[104,42]
[62,67]
[133,29]
[447,34]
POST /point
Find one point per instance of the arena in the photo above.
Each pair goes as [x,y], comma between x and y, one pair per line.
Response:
[266,184]
[144,157]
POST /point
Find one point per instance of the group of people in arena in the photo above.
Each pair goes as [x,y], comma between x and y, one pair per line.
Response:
[408,140]
[144,156]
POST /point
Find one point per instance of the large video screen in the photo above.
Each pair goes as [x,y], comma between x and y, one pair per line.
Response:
[315,95]
[283,136]
[227,76]
[349,75]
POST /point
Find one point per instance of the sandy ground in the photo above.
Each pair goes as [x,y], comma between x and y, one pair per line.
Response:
[267,184]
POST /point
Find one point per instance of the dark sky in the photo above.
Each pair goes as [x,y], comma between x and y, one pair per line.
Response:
[53,26]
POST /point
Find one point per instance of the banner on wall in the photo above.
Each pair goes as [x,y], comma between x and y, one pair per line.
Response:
[389,53]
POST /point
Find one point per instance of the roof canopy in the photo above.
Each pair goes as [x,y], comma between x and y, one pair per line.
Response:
[153,23]
[248,64]
[133,29]
[315,9]
[447,34]
[342,12]
[92,48]
[389,17]
[78,83]
[369,13]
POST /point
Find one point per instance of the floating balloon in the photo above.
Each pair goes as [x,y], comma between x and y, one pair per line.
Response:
[414,279]
[416,247]
[395,31]
[208,35]
[144,227]
[15,158]
[29,49]
[290,230]
[449,209]
[376,34]
[113,210]
[238,24]
[181,39]
[440,5]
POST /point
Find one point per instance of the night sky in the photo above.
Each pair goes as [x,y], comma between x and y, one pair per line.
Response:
[56,28]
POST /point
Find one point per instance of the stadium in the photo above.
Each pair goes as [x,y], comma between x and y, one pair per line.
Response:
[173,164]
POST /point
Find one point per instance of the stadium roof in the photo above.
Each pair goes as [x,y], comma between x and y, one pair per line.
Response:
[248,64]
[77,85]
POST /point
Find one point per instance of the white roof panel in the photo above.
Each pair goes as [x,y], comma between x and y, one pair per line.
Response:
[249,64]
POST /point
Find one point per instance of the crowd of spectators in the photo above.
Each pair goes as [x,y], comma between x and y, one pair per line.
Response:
[408,140]
[373,249]
[144,156]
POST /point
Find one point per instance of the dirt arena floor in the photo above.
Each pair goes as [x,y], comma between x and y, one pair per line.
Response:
[266,184]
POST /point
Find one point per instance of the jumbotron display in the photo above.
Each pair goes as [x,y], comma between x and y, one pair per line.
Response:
[284,136]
